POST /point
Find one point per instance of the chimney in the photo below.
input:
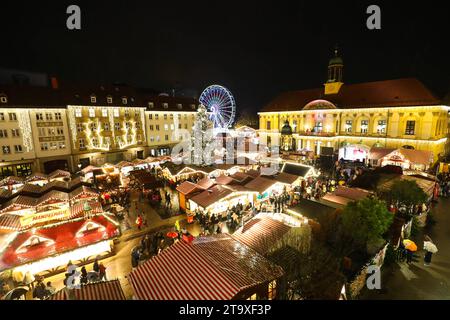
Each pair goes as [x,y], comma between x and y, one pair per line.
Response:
[54,82]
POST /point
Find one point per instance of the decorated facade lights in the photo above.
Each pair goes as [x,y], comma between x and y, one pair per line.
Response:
[25,127]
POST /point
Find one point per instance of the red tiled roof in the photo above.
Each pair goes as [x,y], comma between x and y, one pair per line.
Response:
[218,268]
[64,240]
[388,93]
[104,290]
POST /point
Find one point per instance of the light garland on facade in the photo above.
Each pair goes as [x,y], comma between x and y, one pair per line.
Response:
[25,127]
[73,125]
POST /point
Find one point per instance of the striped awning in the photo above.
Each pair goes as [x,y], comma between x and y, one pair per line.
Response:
[10,222]
[211,268]
[77,210]
[261,233]
[106,290]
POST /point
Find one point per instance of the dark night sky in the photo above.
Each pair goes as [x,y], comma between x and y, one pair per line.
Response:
[256,49]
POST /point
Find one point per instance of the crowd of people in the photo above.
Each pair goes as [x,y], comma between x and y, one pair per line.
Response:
[444,184]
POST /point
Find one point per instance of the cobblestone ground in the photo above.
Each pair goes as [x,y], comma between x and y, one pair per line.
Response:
[416,281]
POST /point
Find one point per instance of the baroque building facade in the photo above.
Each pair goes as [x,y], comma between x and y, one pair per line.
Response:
[399,113]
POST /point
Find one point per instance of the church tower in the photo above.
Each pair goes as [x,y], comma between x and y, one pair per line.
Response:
[335,74]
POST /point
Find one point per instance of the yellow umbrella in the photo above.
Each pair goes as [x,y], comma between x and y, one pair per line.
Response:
[410,245]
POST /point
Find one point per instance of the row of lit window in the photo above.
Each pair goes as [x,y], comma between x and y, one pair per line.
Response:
[109,99]
[14,133]
[156,116]
[17,149]
[166,127]
[166,138]
[45,146]
[48,116]
[12,116]
[107,141]
[151,105]
[106,127]
[59,131]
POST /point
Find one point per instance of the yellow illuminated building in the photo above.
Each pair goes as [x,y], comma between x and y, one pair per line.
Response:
[387,114]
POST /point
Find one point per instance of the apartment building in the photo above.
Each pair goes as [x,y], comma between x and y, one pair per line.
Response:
[43,129]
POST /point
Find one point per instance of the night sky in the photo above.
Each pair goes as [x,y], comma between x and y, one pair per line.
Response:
[257,49]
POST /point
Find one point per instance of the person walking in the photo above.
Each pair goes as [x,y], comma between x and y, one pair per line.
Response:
[430,248]
[139,222]
[102,272]
[95,267]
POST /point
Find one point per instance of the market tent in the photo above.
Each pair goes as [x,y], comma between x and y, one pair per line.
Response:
[343,195]
[18,203]
[62,238]
[296,169]
[286,178]
[78,209]
[11,180]
[188,187]
[260,184]
[223,180]
[210,196]
[53,196]
[378,153]
[104,290]
[260,233]
[211,268]
[59,174]
[83,192]
[10,222]
[205,183]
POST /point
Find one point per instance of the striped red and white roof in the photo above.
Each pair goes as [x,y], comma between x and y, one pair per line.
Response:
[19,202]
[106,290]
[82,192]
[10,222]
[53,196]
[211,268]
[260,233]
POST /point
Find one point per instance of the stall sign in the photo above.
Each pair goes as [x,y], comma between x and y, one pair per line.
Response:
[35,218]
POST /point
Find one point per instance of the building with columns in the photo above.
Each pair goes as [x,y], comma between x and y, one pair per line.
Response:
[353,118]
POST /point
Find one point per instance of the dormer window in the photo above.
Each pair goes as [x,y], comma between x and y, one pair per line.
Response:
[179,106]
[93,99]
[109,99]
[151,105]
[124,100]
[3,99]
[165,105]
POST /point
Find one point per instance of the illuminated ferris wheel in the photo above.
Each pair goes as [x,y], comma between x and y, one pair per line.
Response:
[220,104]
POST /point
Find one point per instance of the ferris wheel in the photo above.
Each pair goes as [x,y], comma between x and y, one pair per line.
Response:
[220,104]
